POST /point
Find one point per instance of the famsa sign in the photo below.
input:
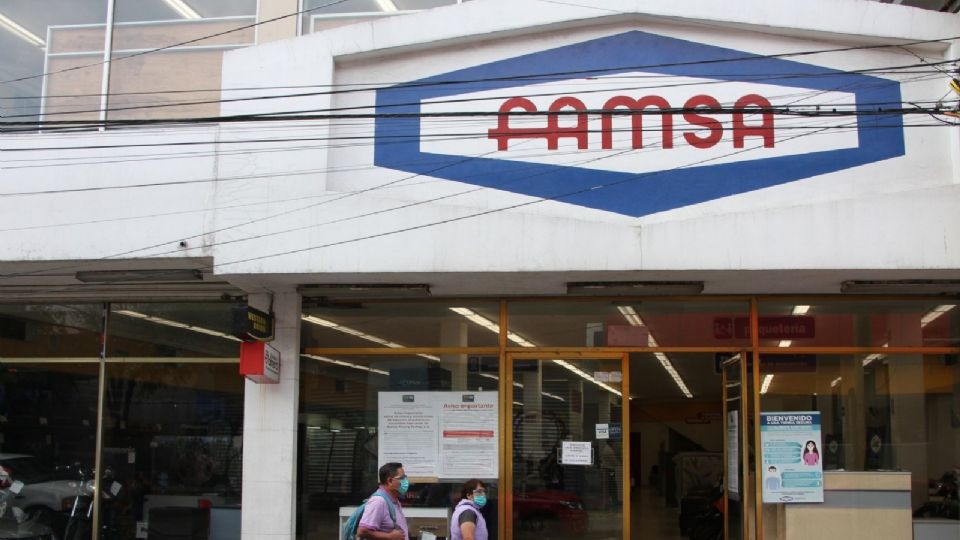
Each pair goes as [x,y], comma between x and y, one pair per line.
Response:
[636,123]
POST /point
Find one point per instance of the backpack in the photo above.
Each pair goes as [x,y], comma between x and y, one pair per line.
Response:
[349,530]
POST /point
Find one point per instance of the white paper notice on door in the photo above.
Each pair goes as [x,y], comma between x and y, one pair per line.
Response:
[576,453]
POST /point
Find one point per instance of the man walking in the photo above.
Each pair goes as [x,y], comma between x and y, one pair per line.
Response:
[383,517]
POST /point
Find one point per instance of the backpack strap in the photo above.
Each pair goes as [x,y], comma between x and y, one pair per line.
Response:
[390,508]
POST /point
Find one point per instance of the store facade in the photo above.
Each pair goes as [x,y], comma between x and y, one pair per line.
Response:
[611,238]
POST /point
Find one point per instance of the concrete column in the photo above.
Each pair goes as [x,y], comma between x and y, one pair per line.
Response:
[270,432]
[281,29]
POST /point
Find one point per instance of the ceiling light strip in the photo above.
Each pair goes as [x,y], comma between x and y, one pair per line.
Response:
[475,317]
[767,379]
[175,324]
[21,32]
[935,314]
[319,321]
[183,9]
[345,364]
[632,317]
[387,6]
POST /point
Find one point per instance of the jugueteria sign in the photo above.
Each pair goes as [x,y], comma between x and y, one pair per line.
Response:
[562,124]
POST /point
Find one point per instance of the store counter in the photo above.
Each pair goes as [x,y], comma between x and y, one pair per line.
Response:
[871,504]
[435,520]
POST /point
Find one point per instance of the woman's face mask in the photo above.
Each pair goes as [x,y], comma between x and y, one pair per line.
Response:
[480,497]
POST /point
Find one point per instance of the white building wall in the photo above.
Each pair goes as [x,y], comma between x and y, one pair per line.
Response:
[271,199]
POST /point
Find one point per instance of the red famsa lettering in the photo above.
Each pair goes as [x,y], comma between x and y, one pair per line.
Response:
[695,112]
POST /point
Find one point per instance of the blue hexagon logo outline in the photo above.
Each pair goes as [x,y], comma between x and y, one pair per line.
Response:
[398,125]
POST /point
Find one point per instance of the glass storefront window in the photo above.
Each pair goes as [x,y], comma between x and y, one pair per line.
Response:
[173,421]
[50,331]
[340,436]
[172,450]
[48,419]
[180,81]
[194,330]
[629,323]
[49,382]
[322,15]
[558,401]
[427,324]
[870,323]
[878,412]
[64,38]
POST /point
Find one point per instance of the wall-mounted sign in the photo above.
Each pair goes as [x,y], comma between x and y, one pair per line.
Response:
[603,431]
[717,133]
[440,435]
[251,324]
[786,327]
[792,464]
[259,362]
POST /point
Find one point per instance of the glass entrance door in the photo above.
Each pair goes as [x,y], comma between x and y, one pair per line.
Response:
[735,453]
[566,472]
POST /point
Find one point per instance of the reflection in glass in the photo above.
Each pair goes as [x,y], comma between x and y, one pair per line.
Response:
[873,323]
[394,325]
[52,36]
[50,330]
[196,330]
[322,14]
[182,79]
[628,323]
[172,450]
[557,401]
[48,418]
[878,412]
[340,434]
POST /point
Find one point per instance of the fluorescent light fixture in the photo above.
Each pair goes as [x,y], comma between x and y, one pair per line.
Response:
[554,396]
[633,288]
[800,310]
[902,286]
[632,317]
[127,276]
[174,324]
[767,379]
[345,364]
[518,404]
[677,379]
[490,325]
[366,290]
[183,9]
[785,343]
[935,314]
[8,24]
[494,377]
[387,5]
[586,376]
[319,321]
[835,382]
[872,358]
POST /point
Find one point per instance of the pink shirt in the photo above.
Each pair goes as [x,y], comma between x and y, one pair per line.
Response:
[376,516]
[811,458]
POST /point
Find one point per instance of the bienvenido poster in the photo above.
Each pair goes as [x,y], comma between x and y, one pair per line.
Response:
[792,465]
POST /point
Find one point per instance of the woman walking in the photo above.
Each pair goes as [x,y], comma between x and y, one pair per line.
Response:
[467,522]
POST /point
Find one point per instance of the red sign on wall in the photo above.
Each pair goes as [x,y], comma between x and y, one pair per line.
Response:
[259,362]
[786,327]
